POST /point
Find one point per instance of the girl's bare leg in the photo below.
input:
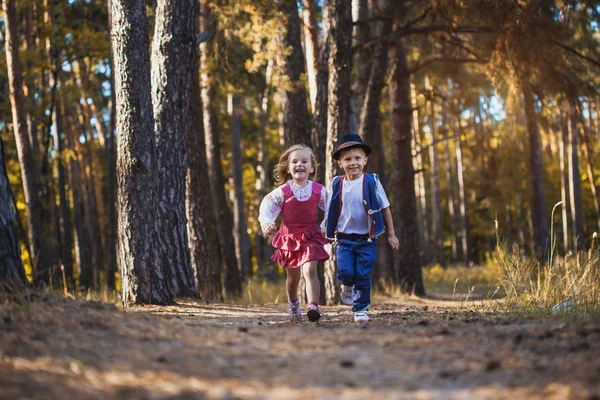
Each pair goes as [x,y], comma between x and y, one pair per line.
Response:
[292,282]
[312,281]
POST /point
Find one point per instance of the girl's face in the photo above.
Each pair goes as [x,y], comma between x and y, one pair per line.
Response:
[300,166]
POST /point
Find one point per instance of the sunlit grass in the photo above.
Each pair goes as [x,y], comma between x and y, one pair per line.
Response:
[567,285]
[482,280]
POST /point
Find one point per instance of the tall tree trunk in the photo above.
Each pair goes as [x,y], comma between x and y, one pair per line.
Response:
[407,264]
[263,248]
[419,178]
[141,260]
[110,230]
[462,199]
[12,272]
[364,58]
[338,106]
[204,244]
[295,113]
[82,242]
[437,249]
[242,240]
[29,175]
[574,177]
[319,133]
[587,153]
[66,228]
[173,50]
[539,211]
[564,177]
[233,286]
[370,130]
[451,206]
[311,44]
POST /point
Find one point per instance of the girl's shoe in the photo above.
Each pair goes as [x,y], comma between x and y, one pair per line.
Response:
[313,313]
[294,310]
[361,316]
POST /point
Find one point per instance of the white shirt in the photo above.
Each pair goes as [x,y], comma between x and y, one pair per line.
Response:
[353,217]
[270,207]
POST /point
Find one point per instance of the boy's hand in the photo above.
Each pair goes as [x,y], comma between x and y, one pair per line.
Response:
[269,229]
[393,241]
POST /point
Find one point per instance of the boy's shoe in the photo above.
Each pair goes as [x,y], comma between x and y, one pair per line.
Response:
[346,295]
[313,313]
[361,316]
[294,310]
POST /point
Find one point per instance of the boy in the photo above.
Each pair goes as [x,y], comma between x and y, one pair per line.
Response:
[357,213]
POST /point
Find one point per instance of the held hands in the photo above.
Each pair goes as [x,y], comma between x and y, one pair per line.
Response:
[393,241]
[269,229]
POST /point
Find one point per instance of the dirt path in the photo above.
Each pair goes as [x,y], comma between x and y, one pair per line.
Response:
[417,349]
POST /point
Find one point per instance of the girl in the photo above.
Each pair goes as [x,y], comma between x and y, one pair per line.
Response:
[299,241]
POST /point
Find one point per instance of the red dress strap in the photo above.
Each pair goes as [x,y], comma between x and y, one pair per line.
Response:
[287,190]
[316,188]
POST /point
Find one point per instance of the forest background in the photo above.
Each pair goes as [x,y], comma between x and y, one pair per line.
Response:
[139,140]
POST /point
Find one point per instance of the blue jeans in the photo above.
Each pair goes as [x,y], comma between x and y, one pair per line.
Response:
[355,261]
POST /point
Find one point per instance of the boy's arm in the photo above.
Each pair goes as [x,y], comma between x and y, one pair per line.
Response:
[389,227]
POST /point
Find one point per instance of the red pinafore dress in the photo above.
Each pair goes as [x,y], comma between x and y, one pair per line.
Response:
[299,238]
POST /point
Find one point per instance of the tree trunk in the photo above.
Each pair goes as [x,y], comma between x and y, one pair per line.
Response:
[173,50]
[319,133]
[462,199]
[587,153]
[242,240]
[564,177]
[574,177]
[82,244]
[364,58]
[29,175]
[451,206]
[539,213]
[370,130]
[311,44]
[233,285]
[407,264]
[110,230]
[295,113]
[204,244]
[141,260]
[416,151]
[66,228]
[12,272]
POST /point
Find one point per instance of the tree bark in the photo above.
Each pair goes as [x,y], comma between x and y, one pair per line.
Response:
[141,260]
[564,177]
[233,284]
[295,113]
[451,206]
[29,175]
[311,44]
[242,240]
[587,153]
[12,272]
[173,50]
[539,212]
[204,244]
[574,176]
[407,264]
[110,230]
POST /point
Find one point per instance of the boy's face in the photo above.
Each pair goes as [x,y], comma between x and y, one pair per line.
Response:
[300,165]
[353,161]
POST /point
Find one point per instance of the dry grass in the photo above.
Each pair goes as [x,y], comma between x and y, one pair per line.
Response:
[562,285]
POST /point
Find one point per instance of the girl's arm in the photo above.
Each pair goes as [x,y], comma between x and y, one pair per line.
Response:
[270,208]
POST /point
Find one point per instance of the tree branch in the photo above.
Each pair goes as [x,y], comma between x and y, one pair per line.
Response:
[577,53]
[424,30]
[433,60]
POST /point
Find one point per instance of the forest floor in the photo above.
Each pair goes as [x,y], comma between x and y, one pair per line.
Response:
[413,348]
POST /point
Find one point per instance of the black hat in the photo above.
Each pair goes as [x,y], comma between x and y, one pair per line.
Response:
[348,142]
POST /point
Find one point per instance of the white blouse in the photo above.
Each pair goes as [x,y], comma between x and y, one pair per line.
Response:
[270,207]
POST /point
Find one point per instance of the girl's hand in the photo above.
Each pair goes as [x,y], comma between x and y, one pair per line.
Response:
[393,241]
[269,229]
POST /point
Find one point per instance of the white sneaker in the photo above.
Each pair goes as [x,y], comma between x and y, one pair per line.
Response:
[313,313]
[346,295]
[361,316]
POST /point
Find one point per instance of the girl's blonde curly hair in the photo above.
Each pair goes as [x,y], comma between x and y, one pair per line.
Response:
[281,172]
